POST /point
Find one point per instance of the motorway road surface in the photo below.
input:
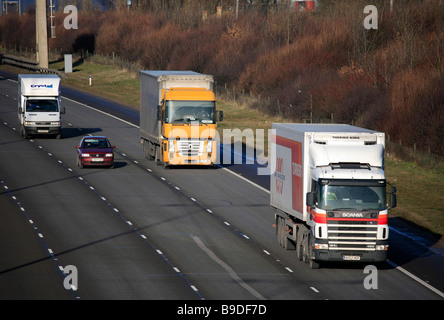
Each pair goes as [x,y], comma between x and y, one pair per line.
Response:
[140,231]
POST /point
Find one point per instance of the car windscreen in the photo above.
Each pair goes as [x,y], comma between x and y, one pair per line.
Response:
[95,143]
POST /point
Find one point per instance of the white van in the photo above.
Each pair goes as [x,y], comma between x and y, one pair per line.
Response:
[39,105]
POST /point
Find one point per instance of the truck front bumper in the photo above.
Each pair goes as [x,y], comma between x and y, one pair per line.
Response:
[190,161]
[43,130]
[358,256]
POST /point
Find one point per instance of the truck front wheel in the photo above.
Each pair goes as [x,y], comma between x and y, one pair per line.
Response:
[23,133]
[313,263]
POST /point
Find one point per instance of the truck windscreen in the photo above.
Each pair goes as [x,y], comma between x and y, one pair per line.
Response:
[42,105]
[336,197]
[187,111]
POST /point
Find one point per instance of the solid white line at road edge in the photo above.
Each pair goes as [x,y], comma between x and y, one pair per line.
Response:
[245,179]
[411,275]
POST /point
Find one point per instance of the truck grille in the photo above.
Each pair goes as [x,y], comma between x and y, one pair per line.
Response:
[353,235]
[190,148]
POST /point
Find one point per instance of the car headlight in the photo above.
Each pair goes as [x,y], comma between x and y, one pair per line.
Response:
[85,155]
[109,155]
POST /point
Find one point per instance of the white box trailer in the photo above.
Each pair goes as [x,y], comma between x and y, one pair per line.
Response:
[329,191]
[39,105]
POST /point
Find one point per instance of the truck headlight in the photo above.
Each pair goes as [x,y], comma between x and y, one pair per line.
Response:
[321,246]
[55,123]
[29,123]
[171,145]
[209,146]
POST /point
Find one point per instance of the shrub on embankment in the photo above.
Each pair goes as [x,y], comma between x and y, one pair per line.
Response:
[321,65]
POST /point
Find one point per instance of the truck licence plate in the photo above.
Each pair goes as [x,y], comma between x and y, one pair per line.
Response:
[43,131]
[351,258]
[97,159]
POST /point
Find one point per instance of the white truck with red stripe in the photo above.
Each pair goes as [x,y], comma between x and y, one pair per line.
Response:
[328,189]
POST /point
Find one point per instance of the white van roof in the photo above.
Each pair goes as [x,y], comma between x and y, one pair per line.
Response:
[39,84]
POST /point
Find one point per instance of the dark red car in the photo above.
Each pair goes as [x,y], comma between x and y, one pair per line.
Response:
[95,151]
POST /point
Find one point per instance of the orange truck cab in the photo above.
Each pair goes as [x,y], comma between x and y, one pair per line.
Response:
[178,117]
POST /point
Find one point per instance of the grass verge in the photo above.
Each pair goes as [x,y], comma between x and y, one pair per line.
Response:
[419,193]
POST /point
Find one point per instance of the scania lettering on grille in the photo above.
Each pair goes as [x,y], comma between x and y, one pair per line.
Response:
[352,215]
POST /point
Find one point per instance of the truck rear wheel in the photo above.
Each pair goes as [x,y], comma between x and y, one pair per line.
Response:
[279,230]
[305,249]
[281,233]
[290,244]
[148,149]
[299,245]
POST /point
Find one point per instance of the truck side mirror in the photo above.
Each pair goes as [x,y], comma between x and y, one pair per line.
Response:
[63,110]
[220,115]
[20,110]
[310,198]
[159,108]
[392,197]
[392,200]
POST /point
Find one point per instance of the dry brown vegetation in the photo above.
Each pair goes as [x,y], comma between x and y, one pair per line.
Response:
[389,79]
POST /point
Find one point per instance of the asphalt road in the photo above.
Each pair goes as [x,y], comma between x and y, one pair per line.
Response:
[140,231]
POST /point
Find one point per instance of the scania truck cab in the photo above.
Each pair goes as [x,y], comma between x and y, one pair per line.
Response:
[330,192]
